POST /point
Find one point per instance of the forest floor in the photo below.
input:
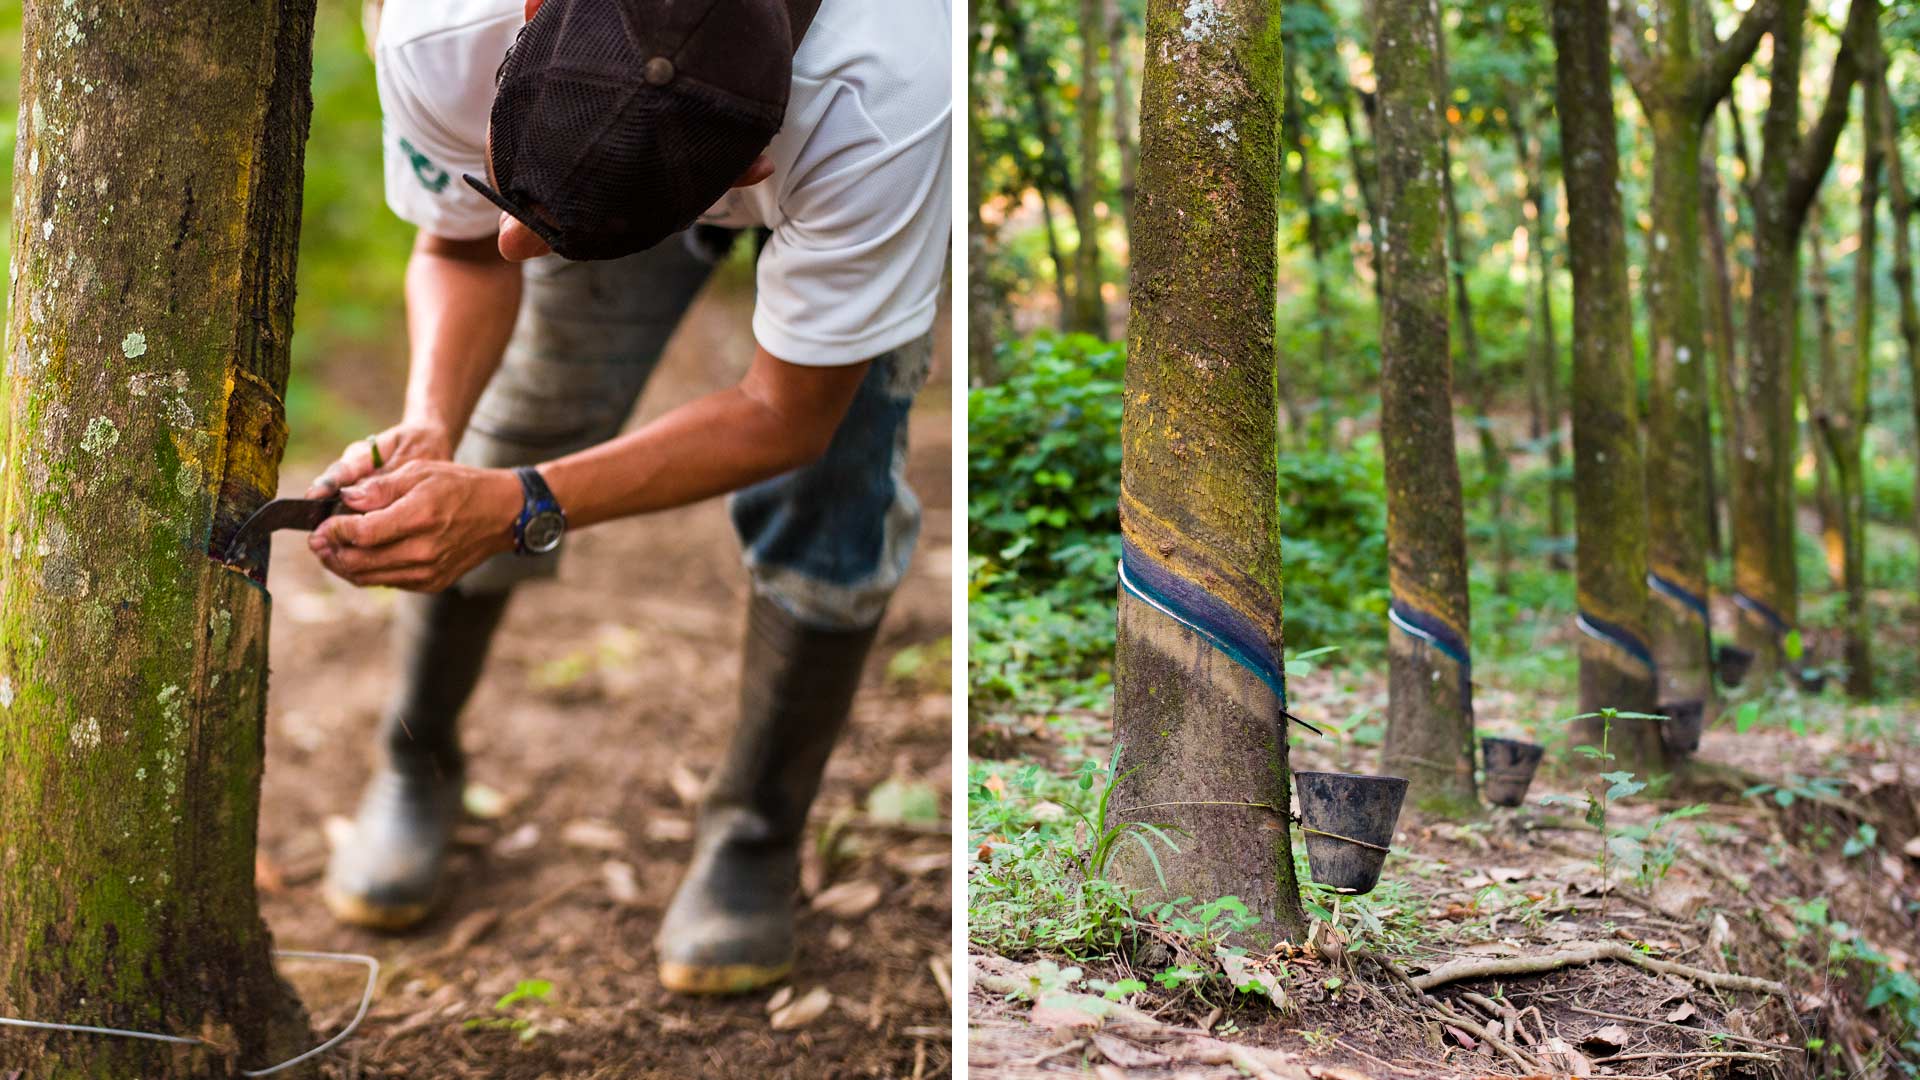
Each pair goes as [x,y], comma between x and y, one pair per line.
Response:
[1813,882]
[608,696]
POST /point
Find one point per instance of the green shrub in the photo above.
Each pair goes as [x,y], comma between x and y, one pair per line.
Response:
[1043,466]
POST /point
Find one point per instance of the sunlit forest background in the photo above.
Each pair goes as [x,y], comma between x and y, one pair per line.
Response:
[1054,149]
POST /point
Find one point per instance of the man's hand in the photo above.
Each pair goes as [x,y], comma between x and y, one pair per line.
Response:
[420,526]
[399,444]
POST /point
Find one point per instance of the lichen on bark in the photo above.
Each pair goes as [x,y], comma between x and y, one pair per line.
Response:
[1610,517]
[1429,736]
[151,309]
[1198,441]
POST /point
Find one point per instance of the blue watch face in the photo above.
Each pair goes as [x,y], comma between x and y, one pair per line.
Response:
[543,532]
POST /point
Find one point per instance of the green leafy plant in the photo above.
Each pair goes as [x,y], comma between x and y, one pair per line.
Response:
[1619,785]
[534,991]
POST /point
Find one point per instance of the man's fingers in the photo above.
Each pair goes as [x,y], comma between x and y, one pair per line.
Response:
[375,529]
[382,489]
[355,462]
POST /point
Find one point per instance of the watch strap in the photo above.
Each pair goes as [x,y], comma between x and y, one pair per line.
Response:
[539,500]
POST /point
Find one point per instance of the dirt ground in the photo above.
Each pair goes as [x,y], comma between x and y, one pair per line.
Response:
[1525,884]
[609,694]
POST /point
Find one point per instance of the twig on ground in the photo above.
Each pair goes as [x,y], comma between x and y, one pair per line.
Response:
[1064,1048]
[1702,1032]
[1587,954]
[1728,1055]
[1382,1062]
[1427,1003]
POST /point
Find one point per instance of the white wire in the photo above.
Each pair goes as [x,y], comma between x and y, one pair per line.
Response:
[366,1002]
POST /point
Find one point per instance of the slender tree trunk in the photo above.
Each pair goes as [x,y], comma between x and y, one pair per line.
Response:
[1363,174]
[1199,499]
[1544,395]
[1815,385]
[1843,423]
[1678,90]
[1089,307]
[983,301]
[1062,290]
[1050,174]
[1123,140]
[1478,385]
[1294,122]
[1721,338]
[1900,202]
[1791,169]
[1430,695]
[151,310]
[1610,515]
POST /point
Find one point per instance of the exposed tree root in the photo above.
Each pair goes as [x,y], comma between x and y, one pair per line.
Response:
[1587,954]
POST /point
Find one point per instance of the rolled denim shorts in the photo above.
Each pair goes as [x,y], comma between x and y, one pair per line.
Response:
[829,541]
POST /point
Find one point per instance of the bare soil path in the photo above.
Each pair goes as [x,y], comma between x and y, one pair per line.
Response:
[609,694]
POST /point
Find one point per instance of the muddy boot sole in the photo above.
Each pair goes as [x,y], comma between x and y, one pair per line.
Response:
[366,914]
[719,980]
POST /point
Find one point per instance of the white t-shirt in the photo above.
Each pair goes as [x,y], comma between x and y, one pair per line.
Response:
[859,201]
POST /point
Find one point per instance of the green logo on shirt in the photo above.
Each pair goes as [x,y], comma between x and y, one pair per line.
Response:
[431,176]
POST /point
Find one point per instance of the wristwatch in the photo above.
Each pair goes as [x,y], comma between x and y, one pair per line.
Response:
[541,524]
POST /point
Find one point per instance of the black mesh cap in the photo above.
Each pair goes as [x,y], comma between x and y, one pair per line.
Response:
[616,123]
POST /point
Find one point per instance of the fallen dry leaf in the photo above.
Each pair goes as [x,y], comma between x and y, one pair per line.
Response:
[686,785]
[524,838]
[669,830]
[918,863]
[849,899]
[1913,847]
[1571,1061]
[621,883]
[1607,1040]
[593,834]
[483,802]
[267,875]
[338,831]
[1685,1012]
[779,999]
[470,929]
[806,1010]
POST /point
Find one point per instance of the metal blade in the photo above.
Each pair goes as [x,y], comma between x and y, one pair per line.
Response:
[249,546]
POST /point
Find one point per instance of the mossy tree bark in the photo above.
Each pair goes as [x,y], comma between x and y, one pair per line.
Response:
[1842,419]
[1203,744]
[1679,87]
[1430,699]
[1610,514]
[1791,168]
[157,212]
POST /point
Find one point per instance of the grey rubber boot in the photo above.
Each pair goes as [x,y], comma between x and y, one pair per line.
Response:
[387,875]
[730,926]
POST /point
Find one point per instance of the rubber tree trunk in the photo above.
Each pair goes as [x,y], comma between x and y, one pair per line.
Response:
[157,191]
[983,299]
[1678,90]
[1814,389]
[1198,476]
[1842,424]
[1610,505]
[1117,70]
[1294,123]
[1722,339]
[1089,307]
[1790,171]
[1473,374]
[1429,736]
[1050,175]
[1543,391]
[1900,202]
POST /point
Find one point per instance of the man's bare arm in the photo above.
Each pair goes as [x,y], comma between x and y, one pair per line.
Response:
[461,300]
